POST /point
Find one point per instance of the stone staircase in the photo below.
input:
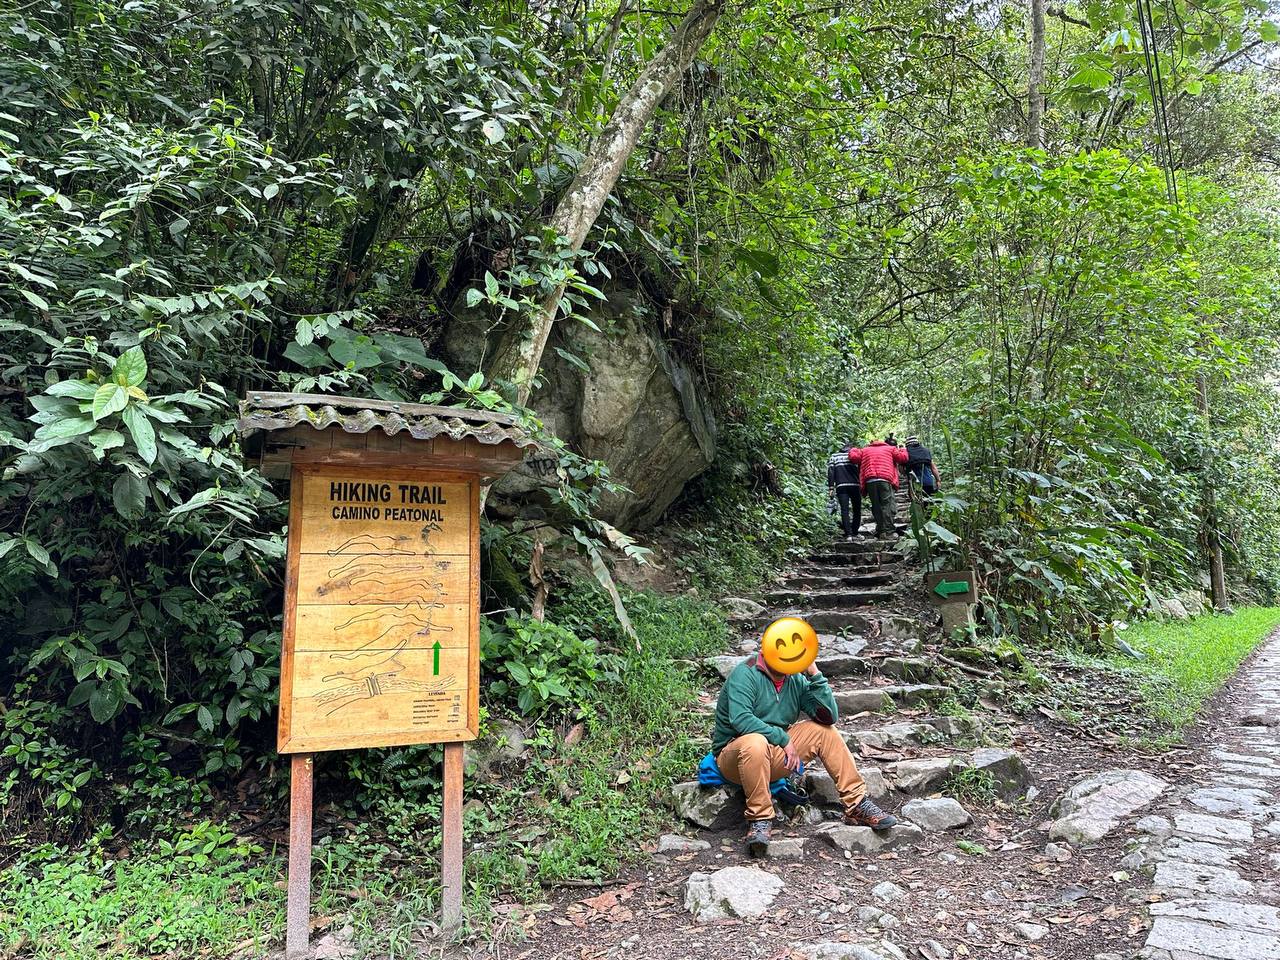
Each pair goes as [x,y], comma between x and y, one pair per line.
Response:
[876,646]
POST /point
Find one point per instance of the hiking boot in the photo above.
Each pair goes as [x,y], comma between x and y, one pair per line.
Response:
[867,814]
[759,833]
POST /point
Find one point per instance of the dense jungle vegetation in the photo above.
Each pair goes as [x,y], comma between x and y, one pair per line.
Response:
[1043,238]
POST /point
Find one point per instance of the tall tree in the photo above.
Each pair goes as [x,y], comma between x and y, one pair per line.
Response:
[520,352]
[1035,78]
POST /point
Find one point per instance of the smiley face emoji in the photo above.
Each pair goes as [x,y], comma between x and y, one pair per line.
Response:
[789,645]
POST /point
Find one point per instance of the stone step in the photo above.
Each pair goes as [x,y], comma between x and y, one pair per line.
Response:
[860,545]
[828,599]
[865,622]
[825,580]
[872,561]
[841,571]
[932,732]
[889,698]
[846,657]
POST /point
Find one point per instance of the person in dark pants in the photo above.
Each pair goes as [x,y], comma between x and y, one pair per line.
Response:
[842,480]
[920,465]
[878,470]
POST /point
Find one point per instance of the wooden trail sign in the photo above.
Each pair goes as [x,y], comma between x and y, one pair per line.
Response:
[382,609]
[382,593]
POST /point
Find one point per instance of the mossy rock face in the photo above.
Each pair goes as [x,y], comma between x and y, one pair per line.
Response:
[1001,654]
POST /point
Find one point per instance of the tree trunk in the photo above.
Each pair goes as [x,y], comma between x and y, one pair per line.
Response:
[520,352]
[1035,78]
[1209,518]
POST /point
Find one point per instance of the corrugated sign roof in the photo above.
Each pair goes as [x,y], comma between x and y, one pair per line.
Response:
[264,412]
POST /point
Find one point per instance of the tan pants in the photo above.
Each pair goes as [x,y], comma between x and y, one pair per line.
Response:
[754,762]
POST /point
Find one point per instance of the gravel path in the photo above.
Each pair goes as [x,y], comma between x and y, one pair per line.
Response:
[1214,847]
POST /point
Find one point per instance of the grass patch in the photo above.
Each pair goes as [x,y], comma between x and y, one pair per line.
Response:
[203,890]
[968,785]
[565,810]
[1187,662]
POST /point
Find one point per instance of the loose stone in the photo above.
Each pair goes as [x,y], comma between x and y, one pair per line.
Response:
[674,843]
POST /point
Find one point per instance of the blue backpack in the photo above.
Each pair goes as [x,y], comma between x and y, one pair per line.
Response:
[709,775]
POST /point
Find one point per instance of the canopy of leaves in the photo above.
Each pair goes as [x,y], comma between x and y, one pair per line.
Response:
[831,217]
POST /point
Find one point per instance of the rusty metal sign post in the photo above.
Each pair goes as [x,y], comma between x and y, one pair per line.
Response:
[382,595]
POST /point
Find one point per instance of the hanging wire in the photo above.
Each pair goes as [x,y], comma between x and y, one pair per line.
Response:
[1163,105]
[1155,84]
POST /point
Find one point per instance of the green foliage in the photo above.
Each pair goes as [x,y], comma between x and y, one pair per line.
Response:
[545,666]
[198,890]
[1077,473]
[969,785]
[1187,662]
[593,802]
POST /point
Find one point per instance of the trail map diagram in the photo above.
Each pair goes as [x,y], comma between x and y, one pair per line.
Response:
[381,629]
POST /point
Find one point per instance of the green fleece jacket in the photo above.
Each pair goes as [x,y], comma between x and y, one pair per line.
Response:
[749,703]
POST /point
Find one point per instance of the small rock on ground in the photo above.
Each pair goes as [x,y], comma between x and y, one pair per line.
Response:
[888,892]
[674,843]
[1031,931]
[785,848]
[1058,852]
[941,813]
[743,892]
[335,946]
[874,915]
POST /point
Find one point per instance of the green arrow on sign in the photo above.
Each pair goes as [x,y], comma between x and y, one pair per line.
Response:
[947,587]
[435,659]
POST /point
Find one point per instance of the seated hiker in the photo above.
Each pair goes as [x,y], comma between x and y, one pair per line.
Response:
[878,468]
[759,735]
[920,465]
[842,480]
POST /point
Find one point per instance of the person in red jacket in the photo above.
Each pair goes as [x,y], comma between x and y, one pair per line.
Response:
[878,467]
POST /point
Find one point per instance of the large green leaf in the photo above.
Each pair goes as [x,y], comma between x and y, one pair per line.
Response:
[77,389]
[355,353]
[143,433]
[129,494]
[131,369]
[60,431]
[108,399]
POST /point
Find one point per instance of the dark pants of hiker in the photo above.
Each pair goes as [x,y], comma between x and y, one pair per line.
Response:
[850,503]
[883,507]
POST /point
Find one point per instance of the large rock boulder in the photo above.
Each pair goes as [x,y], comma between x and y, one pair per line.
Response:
[743,892]
[1094,807]
[822,789]
[637,407]
[922,776]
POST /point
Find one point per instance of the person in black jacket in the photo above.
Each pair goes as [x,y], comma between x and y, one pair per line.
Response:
[842,480]
[920,465]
